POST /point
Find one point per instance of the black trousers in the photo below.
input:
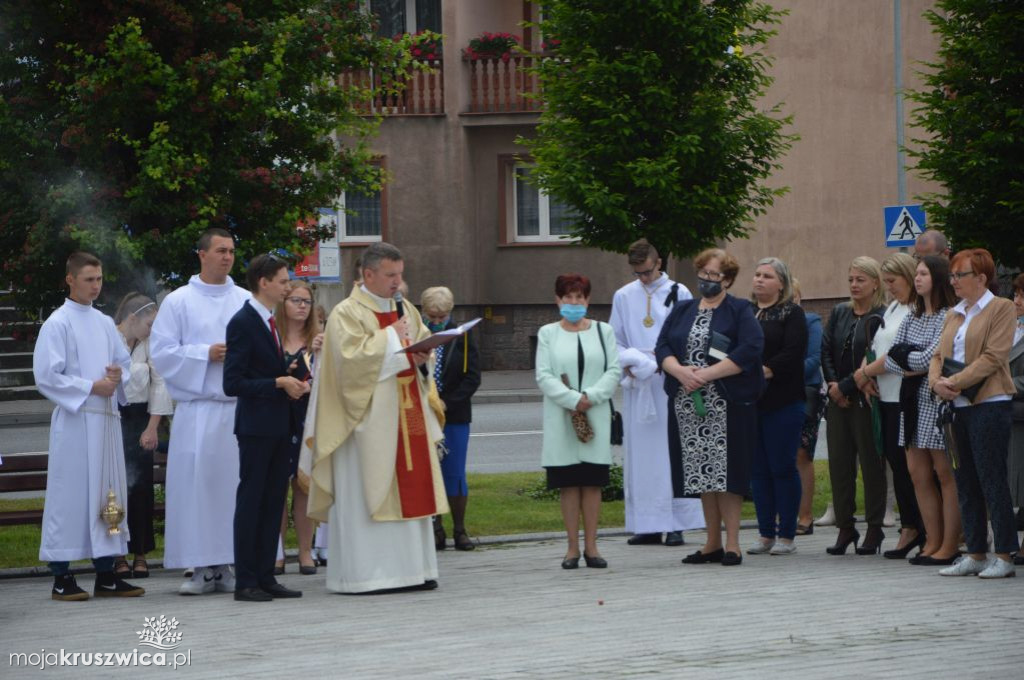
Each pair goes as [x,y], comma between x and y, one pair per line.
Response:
[138,467]
[259,502]
[983,440]
[902,484]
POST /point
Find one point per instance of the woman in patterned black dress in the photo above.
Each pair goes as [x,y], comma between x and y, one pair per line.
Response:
[301,340]
[710,350]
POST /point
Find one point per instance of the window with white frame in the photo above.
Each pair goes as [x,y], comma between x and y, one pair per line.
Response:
[536,215]
[361,216]
[406,16]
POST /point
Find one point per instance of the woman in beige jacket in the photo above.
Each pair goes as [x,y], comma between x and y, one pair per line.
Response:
[970,372]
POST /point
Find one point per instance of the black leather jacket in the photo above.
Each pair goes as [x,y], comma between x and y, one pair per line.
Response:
[845,342]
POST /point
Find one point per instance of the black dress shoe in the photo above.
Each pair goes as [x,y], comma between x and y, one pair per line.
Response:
[937,561]
[252,595]
[700,558]
[571,562]
[307,570]
[278,591]
[674,538]
[731,559]
[595,562]
[644,539]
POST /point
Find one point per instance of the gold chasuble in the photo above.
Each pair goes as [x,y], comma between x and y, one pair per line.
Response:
[375,404]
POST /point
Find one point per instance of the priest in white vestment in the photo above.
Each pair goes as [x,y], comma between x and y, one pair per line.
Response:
[375,476]
[638,311]
[79,364]
[187,349]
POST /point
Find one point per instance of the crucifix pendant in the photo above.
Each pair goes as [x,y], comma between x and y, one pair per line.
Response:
[648,322]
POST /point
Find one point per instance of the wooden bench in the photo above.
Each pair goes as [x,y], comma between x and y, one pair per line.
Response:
[27,472]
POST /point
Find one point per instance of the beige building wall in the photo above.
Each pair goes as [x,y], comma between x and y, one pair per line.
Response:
[835,72]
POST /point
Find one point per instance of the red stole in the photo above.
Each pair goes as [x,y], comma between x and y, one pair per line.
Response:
[412,464]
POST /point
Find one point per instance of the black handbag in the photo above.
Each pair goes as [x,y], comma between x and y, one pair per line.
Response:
[618,431]
[952,367]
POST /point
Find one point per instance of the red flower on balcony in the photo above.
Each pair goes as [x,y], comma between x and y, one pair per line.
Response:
[425,45]
[492,46]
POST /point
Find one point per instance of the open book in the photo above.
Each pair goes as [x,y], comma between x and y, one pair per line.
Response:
[440,337]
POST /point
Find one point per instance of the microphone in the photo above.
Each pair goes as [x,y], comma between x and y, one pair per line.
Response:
[398,304]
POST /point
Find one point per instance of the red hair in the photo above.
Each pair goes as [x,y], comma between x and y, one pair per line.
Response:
[981,263]
[572,283]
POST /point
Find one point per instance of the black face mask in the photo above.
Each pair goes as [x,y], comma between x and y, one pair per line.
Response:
[709,289]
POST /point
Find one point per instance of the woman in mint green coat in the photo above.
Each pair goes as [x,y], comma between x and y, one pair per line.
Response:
[577,370]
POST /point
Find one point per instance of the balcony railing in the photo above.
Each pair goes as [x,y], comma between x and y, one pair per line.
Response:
[499,86]
[422,94]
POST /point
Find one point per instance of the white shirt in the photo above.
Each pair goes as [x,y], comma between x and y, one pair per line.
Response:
[889,383]
[1018,331]
[145,386]
[960,341]
[264,313]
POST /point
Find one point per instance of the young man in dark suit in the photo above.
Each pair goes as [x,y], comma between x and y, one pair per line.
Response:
[254,371]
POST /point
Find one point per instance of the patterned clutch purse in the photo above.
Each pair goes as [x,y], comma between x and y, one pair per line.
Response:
[580,424]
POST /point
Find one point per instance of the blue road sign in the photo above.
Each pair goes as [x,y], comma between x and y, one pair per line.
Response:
[903,224]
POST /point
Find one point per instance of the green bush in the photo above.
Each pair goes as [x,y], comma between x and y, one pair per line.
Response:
[612,492]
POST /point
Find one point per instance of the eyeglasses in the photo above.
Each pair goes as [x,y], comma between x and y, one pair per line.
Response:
[956,276]
[299,301]
[646,272]
[709,276]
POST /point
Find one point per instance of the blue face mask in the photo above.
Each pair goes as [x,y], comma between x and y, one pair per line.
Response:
[435,327]
[573,313]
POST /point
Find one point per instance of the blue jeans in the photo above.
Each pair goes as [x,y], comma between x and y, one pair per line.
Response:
[100,564]
[774,479]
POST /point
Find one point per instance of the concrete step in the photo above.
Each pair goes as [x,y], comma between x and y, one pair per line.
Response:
[20,393]
[25,412]
[16,360]
[10,344]
[16,377]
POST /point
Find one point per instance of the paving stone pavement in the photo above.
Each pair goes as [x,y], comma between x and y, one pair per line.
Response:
[509,611]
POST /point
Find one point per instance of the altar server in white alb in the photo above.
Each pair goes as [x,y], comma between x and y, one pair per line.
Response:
[187,346]
[79,364]
[638,312]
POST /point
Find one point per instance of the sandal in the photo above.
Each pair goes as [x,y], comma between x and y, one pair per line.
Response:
[462,541]
[140,568]
[121,567]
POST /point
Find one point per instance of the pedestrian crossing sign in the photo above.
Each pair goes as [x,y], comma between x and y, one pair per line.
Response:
[903,224]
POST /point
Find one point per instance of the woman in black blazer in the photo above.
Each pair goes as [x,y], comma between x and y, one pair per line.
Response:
[710,350]
[457,375]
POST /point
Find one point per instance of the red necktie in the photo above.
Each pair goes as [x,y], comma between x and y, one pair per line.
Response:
[277,340]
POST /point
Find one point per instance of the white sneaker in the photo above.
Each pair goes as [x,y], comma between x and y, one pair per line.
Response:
[223,579]
[781,548]
[828,519]
[965,566]
[201,582]
[760,548]
[998,568]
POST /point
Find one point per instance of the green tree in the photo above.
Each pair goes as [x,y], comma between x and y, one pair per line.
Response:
[127,127]
[972,107]
[653,122]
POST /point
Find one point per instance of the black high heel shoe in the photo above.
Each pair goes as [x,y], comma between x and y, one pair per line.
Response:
[596,562]
[901,553]
[872,544]
[846,537]
[571,562]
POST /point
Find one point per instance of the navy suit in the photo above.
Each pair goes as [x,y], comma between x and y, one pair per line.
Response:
[263,426]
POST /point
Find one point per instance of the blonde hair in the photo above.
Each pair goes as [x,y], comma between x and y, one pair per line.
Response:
[437,299]
[796,289]
[870,267]
[311,326]
[905,267]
